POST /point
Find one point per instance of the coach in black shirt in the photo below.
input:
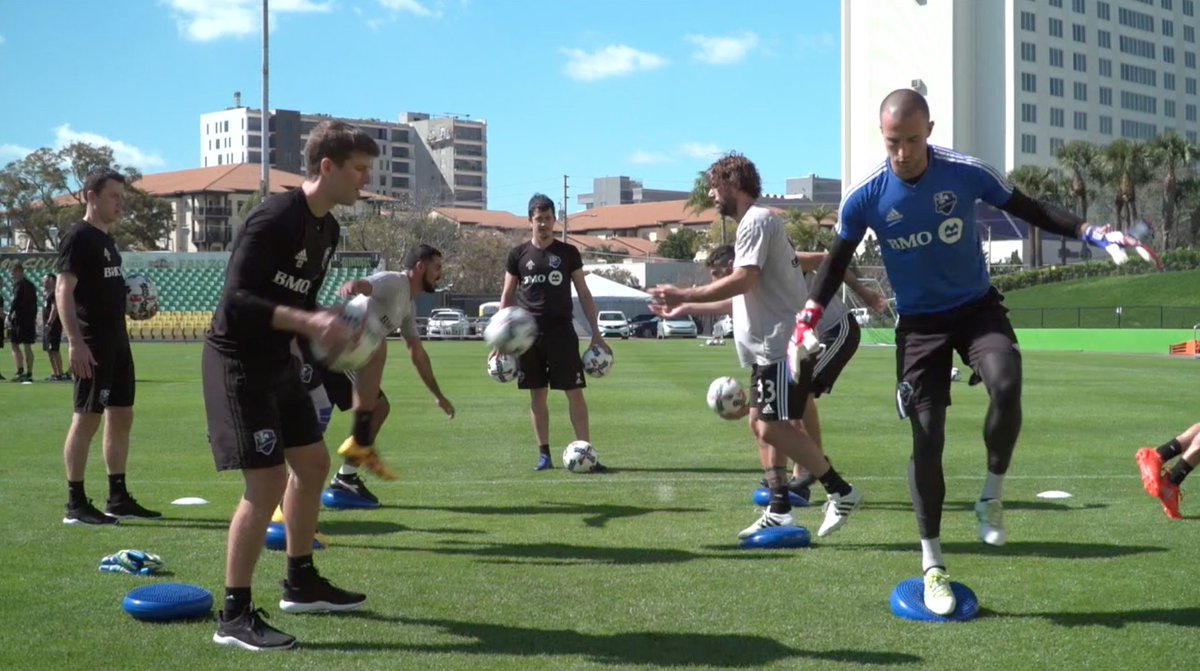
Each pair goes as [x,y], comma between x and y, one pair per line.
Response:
[23,317]
[91,301]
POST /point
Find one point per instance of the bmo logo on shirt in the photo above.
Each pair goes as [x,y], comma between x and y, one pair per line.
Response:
[554,277]
[949,232]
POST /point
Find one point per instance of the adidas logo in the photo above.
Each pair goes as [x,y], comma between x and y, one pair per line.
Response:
[302,258]
[893,216]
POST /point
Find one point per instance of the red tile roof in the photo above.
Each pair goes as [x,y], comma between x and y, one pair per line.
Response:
[639,215]
[486,218]
[235,178]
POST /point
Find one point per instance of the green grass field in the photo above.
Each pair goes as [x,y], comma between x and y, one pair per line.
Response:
[1157,300]
[475,562]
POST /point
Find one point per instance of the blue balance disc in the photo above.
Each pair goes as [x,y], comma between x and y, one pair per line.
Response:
[277,538]
[340,499]
[762,497]
[908,602]
[774,538]
[167,601]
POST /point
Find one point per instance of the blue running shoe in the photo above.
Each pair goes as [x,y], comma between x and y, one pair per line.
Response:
[544,463]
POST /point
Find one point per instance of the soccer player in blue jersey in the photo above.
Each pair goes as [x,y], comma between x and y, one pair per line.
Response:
[920,203]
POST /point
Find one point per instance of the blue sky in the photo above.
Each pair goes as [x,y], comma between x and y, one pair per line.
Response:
[652,89]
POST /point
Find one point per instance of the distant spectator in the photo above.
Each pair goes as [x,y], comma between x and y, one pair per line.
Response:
[23,318]
[52,330]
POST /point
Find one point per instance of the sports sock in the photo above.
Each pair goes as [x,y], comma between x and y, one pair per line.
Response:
[779,503]
[362,428]
[75,495]
[237,601]
[993,485]
[347,469]
[300,569]
[1179,472]
[833,483]
[116,486]
[931,554]
[544,449]
[1169,451]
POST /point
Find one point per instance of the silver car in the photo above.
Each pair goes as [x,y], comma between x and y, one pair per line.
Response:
[680,326]
[447,323]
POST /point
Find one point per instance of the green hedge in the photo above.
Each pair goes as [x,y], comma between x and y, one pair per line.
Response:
[1176,259]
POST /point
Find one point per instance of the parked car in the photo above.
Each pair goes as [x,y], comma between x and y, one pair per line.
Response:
[613,323]
[447,323]
[680,326]
[723,327]
[644,326]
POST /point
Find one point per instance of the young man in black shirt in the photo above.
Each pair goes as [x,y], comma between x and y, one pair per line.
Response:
[23,315]
[259,412]
[52,331]
[544,270]
[90,293]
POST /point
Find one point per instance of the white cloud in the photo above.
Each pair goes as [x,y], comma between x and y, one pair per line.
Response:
[611,61]
[208,20]
[819,42]
[124,153]
[722,50]
[13,152]
[642,157]
[698,150]
[410,6]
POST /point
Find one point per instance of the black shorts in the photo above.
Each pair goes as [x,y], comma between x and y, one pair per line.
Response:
[841,342]
[553,360]
[52,337]
[925,345]
[774,394]
[112,382]
[255,411]
[339,387]
[24,332]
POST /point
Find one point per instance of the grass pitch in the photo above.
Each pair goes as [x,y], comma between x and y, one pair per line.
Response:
[476,562]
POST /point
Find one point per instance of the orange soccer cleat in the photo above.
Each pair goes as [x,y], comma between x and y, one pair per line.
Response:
[1169,495]
[1151,467]
[365,456]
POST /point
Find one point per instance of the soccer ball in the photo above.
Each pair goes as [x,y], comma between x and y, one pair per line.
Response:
[357,314]
[597,362]
[511,331]
[502,367]
[141,297]
[726,397]
[580,457]
[955,376]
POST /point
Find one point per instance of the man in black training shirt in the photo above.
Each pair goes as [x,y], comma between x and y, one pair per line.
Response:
[90,295]
[259,411]
[23,316]
[538,278]
[52,331]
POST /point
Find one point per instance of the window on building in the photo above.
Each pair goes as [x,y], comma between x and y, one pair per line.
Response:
[1056,117]
[1080,62]
[1104,39]
[1079,33]
[1028,113]
[1169,108]
[1056,28]
[1102,11]
[1028,143]
[1106,125]
[1169,81]
[1028,22]
[1056,87]
[1166,4]
[1080,6]
[1056,143]
[1189,60]
[1136,102]
[1105,67]
[1081,120]
[1137,130]
[1029,82]
[1056,3]
[1189,112]
[1168,54]
[1189,85]
[1139,75]
[1028,52]
[1189,8]
[1168,28]
[1106,96]
[1136,47]
[1136,20]
[1189,34]
[1056,57]
[1081,91]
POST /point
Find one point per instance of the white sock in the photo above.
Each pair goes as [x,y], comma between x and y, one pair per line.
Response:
[347,469]
[993,485]
[931,553]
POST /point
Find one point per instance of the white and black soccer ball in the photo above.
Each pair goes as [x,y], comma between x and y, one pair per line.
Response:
[597,361]
[955,374]
[726,397]
[358,314]
[502,367]
[511,331]
[580,457]
[141,297]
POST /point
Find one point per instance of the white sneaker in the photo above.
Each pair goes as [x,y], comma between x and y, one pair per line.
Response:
[939,598]
[991,522]
[768,520]
[837,508]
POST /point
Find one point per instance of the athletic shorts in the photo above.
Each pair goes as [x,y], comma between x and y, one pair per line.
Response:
[553,360]
[775,396]
[841,342]
[925,345]
[24,332]
[255,411]
[339,387]
[112,382]
[52,337]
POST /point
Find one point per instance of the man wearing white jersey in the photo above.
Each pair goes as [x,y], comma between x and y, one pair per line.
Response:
[392,294]
[763,291]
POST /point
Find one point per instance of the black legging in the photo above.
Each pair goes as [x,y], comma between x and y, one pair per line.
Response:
[1001,373]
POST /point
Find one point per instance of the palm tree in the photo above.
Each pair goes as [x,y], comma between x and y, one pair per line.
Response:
[1043,184]
[1172,154]
[1127,165]
[820,213]
[1079,160]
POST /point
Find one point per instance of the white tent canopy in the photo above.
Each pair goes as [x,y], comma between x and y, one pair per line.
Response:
[608,295]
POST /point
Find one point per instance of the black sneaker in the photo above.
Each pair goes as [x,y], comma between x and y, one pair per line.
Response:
[127,508]
[353,484]
[87,515]
[801,488]
[318,596]
[249,631]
